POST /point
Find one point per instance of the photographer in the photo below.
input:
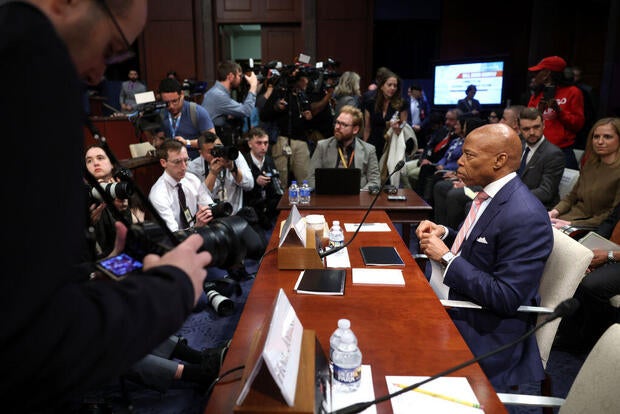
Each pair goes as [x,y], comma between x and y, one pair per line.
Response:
[561,104]
[226,113]
[322,107]
[63,334]
[267,191]
[180,198]
[182,120]
[289,108]
[101,218]
[225,174]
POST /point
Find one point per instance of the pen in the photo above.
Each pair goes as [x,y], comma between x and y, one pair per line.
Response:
[443,397]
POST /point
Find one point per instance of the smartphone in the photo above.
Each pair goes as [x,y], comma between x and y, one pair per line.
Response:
[117,267]
[397,197]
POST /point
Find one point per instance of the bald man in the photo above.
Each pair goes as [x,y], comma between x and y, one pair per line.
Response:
[500,260]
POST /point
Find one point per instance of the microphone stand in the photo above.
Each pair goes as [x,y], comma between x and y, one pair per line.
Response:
[325,253]
[566,308]
[143,199]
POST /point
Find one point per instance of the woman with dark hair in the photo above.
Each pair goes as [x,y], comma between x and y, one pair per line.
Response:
[387,110]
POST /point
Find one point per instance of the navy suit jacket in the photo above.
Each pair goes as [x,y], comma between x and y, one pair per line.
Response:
[543,173]
[500,267]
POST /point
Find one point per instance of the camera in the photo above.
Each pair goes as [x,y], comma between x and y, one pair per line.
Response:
[221,209]
[230,240]
[218,292]
[226,152]
[121,190]
[276,184]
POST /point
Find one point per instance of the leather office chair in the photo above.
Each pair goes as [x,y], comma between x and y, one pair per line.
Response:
[594,389]
[140,149]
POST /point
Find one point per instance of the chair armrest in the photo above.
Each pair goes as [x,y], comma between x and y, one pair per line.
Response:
[530,400]
[470,305]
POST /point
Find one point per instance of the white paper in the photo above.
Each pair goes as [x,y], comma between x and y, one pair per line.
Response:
[340,259]
[452,387]
[294,221]
[378,276]
[367,227]
[283,347]
[365,392]
[436,281]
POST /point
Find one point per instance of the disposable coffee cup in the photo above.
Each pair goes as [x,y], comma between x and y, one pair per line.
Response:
[315,222]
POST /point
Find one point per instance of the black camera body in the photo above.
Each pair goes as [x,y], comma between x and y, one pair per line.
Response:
[221,209]
[276,184]
[230,240]
[224,151]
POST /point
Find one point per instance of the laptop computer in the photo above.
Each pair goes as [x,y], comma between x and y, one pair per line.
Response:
[337,181]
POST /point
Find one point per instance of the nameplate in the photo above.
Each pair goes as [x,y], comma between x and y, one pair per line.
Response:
[280,350]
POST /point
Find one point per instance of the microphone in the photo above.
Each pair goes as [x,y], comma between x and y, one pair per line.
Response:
[564,309]
[397,168]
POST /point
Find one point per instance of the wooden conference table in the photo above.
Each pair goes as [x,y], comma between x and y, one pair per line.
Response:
[401,330]
[411,211]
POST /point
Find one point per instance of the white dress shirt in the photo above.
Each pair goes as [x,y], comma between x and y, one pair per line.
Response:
[165,198]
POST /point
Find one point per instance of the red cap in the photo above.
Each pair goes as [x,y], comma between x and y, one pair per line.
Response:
[553,63]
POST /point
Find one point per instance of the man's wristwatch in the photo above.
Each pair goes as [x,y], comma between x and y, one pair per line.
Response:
[188,143]
[610,257]
[447,258]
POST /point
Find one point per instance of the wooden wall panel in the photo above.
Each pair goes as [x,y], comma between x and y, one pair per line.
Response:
[258,11]
[170,45]
[281,43]
[170,10]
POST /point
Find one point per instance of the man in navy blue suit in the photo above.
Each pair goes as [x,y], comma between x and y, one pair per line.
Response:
[499,261]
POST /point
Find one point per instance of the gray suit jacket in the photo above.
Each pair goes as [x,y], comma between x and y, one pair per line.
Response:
[326,156]
[543,173]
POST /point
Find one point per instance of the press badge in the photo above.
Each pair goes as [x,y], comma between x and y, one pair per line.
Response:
[188,215]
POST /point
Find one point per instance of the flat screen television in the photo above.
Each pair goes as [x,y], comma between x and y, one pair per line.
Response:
[452,78]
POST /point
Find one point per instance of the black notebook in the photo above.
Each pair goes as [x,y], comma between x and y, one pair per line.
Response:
[321,282]
[381,256]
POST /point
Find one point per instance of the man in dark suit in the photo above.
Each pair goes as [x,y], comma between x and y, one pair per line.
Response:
[346,150]
[468,105]
[542,162]
[497,259]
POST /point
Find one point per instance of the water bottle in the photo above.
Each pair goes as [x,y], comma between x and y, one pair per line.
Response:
[347,364]
[334,340]
[304,193]
[293,193]
[336,236]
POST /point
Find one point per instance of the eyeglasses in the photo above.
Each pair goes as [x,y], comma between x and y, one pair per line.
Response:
[179,161]
[342,124]
[122,56]
[172,101]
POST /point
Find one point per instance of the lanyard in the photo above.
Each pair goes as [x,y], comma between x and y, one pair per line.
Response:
[342,159]
[174,124]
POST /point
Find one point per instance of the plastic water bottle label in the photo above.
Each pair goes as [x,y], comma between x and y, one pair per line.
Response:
[347,375]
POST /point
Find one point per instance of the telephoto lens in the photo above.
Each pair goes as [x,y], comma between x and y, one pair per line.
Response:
[222,305]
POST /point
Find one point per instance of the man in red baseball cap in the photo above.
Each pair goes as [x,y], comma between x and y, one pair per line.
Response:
[561,104]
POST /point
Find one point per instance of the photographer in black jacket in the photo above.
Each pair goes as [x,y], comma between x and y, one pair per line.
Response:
[61,333]
[267,191]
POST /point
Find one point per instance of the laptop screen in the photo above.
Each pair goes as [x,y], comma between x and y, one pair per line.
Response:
[337,181]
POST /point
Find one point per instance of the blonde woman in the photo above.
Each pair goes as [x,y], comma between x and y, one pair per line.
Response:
[347,91]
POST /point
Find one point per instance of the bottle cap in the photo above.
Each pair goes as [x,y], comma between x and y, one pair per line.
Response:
[336,223]
[344,323]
